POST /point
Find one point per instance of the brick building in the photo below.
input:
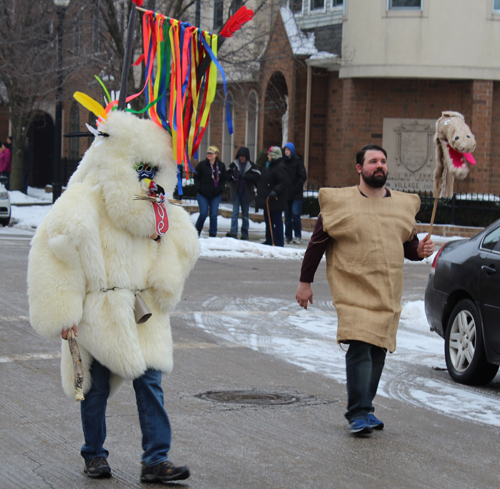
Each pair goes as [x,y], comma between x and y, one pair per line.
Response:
[334,73]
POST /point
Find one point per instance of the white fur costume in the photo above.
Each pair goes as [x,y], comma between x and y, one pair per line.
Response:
[94,249]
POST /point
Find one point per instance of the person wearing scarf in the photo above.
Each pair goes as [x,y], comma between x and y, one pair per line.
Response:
[209,181]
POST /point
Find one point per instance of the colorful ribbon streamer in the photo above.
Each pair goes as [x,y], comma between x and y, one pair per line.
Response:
[176,99]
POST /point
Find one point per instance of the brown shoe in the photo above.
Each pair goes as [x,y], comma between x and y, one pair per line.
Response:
[164,472]
[97,468]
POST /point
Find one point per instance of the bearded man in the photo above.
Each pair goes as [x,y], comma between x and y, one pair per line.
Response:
[366,232]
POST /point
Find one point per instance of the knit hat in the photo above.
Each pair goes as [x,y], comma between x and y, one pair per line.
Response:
[291,147]
[213,149]
[275,152]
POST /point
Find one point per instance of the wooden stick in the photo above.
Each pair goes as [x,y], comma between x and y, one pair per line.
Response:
[127,59]
[433,215]
[77,365]
[270,222]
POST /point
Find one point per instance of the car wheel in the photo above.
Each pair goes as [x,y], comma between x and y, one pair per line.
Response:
[464,348]
[5,221]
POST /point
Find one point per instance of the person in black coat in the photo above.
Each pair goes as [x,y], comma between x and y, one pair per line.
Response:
[297,176]
[244,176]
[272,196]
[209,182]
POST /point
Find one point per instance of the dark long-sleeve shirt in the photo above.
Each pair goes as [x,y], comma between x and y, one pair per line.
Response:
[319,242]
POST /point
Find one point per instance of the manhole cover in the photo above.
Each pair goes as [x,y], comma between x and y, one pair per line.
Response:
[249,397]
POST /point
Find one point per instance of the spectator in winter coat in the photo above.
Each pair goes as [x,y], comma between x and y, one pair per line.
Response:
[209,182]
[6,163]
[272,197]
[244,176]
[297,176]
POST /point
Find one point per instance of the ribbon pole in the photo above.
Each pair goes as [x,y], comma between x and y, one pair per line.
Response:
[128,58]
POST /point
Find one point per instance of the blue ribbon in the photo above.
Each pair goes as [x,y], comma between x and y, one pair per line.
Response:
[219,67]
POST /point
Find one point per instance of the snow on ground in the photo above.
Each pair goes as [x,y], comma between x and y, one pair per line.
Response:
[27,218]
[307,337]
[414,373]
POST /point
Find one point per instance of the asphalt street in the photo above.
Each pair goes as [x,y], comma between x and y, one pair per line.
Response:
[303,443]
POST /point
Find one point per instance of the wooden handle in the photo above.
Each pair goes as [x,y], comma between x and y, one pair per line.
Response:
[77,365]
[270,222]
[433,215]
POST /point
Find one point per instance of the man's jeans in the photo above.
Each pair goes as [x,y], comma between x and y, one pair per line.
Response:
[364,366]
[277,228]
[293,219]
[240,201]
[204,203]
[155,426]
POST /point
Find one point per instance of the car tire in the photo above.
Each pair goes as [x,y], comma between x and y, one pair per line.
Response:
[5,221]
[464,348]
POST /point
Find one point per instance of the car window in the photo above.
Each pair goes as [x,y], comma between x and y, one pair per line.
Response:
[492,240]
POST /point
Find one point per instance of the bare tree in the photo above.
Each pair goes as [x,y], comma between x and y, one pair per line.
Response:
[247,49]
[94,43]
[29,64]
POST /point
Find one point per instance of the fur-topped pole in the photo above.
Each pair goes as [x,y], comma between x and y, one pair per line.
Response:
[454,145]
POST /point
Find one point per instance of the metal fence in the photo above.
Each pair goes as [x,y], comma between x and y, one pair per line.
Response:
[467,209]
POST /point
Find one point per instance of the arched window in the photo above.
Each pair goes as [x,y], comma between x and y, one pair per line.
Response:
[252,125]
[74,148]
[227,139]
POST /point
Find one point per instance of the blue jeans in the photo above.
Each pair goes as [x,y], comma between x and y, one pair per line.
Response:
[240,201]
[364,366]
[155,425]
[293,220]
[204,203]
[277,227]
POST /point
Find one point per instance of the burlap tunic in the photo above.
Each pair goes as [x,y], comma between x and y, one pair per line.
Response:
[365,261]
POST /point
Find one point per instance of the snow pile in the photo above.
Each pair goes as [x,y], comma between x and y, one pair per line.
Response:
[233,248]
[302,43]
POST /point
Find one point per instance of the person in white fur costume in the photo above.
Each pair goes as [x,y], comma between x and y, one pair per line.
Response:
[91,254]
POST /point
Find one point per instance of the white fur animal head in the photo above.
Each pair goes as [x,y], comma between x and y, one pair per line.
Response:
[454,145]
[109,167]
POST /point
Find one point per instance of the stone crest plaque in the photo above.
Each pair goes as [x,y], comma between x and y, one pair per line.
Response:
[410,147]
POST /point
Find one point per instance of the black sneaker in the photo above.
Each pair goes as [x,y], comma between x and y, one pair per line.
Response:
[231,235]
[97,468]
[164,472]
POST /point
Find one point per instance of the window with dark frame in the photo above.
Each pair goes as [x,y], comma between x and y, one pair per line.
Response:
[218,14]
[405,4]
[317,4]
